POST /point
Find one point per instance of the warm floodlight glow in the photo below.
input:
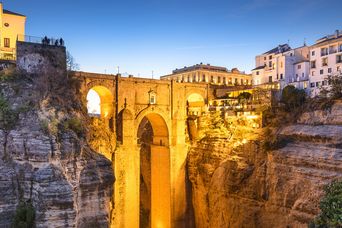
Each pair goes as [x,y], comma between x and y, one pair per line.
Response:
[93,103]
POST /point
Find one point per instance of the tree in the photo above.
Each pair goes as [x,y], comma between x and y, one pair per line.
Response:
[292,97]
[331,206]
[335,86]
[244,96]
[70,63]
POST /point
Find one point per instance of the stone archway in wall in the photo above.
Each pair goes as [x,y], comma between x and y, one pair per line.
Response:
[101,110]
[195,105]
[100,102]
[155,184]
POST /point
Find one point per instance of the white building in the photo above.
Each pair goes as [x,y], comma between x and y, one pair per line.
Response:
[282,65]
[325,59]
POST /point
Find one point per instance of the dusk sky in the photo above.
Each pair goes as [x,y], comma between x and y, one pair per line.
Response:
[159,35]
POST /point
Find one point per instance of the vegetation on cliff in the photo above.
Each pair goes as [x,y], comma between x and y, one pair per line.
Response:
[331,207]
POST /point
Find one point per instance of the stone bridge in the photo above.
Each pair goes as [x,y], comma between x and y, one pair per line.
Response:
[150,114]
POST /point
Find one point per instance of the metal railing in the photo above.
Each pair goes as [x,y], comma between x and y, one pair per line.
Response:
[7,56]
[41,40]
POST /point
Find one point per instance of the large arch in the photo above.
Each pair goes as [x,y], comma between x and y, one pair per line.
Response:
[155,184]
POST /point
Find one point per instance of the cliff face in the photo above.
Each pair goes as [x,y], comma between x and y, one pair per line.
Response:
[242,185]
[44,156]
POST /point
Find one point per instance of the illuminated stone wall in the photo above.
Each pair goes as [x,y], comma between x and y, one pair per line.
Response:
[167,113]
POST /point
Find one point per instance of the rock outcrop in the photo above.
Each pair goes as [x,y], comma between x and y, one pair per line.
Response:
[44,156]
[243,185]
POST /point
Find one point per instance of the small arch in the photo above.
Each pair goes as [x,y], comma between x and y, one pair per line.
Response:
[195,103]
[100,102]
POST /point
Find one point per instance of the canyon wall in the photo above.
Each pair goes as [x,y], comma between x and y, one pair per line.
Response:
[238,183]
[45,160]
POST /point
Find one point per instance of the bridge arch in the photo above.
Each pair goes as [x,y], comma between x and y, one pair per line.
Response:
[195,103]
[155,185]
[100,102]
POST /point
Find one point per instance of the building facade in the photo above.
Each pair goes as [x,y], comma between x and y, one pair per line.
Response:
[325,59]
[12,28]
[283,66]
[201,73]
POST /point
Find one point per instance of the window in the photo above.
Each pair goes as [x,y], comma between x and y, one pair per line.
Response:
[257,73]
[241,81]
[265,58]
[325,62]
[224,80]
[313,53]
[321,71]
[340,48]
[194,78]
[313,64]
[188,79]
[277,76]
[313,73]
[281,76]
[7,42]
[299,67]
[153,97]
[338,58]
[323,83]
[218,79]
[317,84]
[236,81]
[270,57]
[324,51]
[203,78]
[212,79]
[270,64]
[329,70]
[269,78]
[305,85]
[230,81]
[312,84]
[302,75]
[332,49]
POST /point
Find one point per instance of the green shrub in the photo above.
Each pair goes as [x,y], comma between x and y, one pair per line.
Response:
[8,117]
[24,216]
[292,97]
[331,207]
[75,125]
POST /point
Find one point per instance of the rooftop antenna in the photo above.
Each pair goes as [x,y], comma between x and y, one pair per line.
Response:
[118,70]
[304,41]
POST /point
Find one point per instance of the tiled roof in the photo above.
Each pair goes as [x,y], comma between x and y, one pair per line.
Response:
[259,67]
[280,49]
[13,13]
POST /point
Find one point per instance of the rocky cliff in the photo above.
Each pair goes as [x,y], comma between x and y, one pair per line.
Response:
[44,157]
[238,183]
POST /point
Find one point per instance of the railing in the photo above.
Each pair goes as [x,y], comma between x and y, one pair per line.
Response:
[8,56]
[41,40]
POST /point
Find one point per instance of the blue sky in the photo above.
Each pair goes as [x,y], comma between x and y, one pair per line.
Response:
[161,35]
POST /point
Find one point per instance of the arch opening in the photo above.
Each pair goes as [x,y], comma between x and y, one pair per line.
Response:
[195,106]
[100,102]
[155,182]
[195,103]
